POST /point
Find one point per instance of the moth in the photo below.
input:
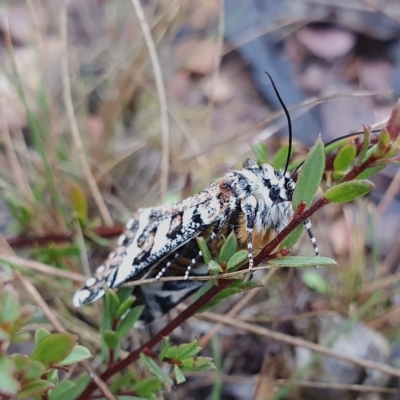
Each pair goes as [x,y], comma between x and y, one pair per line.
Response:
[254,202]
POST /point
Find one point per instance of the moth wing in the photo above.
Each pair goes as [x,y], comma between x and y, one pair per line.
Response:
[148,238]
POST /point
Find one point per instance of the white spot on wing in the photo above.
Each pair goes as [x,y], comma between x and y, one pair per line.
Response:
[161,235]
[90,282]
[100,269]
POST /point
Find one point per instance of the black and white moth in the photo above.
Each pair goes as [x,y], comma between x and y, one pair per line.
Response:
[254,202]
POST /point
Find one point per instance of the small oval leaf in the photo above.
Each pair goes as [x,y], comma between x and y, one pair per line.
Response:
[292,238]
[280,157]
[79,202]
[229,248]
[301,261]
[35,388]
[260,150]
[179,377]
[58,393]
[344,158]
[78,353]
[40,334]
[127,323]
[315,281]
[204,249]
[348,191]
[219,298]
[214,268]
[9,385]
[54,348]
[111,338]
[310,176]
[237,259]
[155,369]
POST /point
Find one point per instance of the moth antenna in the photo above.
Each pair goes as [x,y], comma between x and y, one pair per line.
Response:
[334,141]
[289,121]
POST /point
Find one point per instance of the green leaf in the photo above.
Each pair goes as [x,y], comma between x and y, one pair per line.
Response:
[244,286]
[111,338]
[310,176]
[21,362]
[184,350]
[124,381]
[237,259]
[54,348]
[315,281]
[383,142]
[8,385]
[154,368]
[40,334]
[367,173]
[280,157]
[52,375]
[11,308]
[205,252]
[165,348]
[124,307]
[301,261]
[348,191]
[111,303]
[124,293]
[292,238]
[127,323]
[72,392]
[4,336]
[79,202]
[203,289]
[344,158]
[20,337]
[147,387]
[179,377]
[260,150]
[338,175]
[214,268]
[35,388]
[78,353]
[364,147]
[229,248]
[59,392]
[219,298]
[198,364]
[35,370]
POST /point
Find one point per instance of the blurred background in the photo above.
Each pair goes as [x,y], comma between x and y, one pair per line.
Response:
[83,136]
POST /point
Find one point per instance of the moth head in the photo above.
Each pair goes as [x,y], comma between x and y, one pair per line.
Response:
[279,185]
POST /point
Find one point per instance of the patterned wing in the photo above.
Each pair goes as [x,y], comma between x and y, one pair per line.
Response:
[150,237]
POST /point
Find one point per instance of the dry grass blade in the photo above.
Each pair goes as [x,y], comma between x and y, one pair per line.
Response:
[74,125]
[42,268]
[19,176]
[161,95]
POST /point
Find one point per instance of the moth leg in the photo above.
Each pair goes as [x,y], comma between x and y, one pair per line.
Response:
[307,225]
[167,265]
[249,208]
[213,235]
[192,264]
[219,226]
